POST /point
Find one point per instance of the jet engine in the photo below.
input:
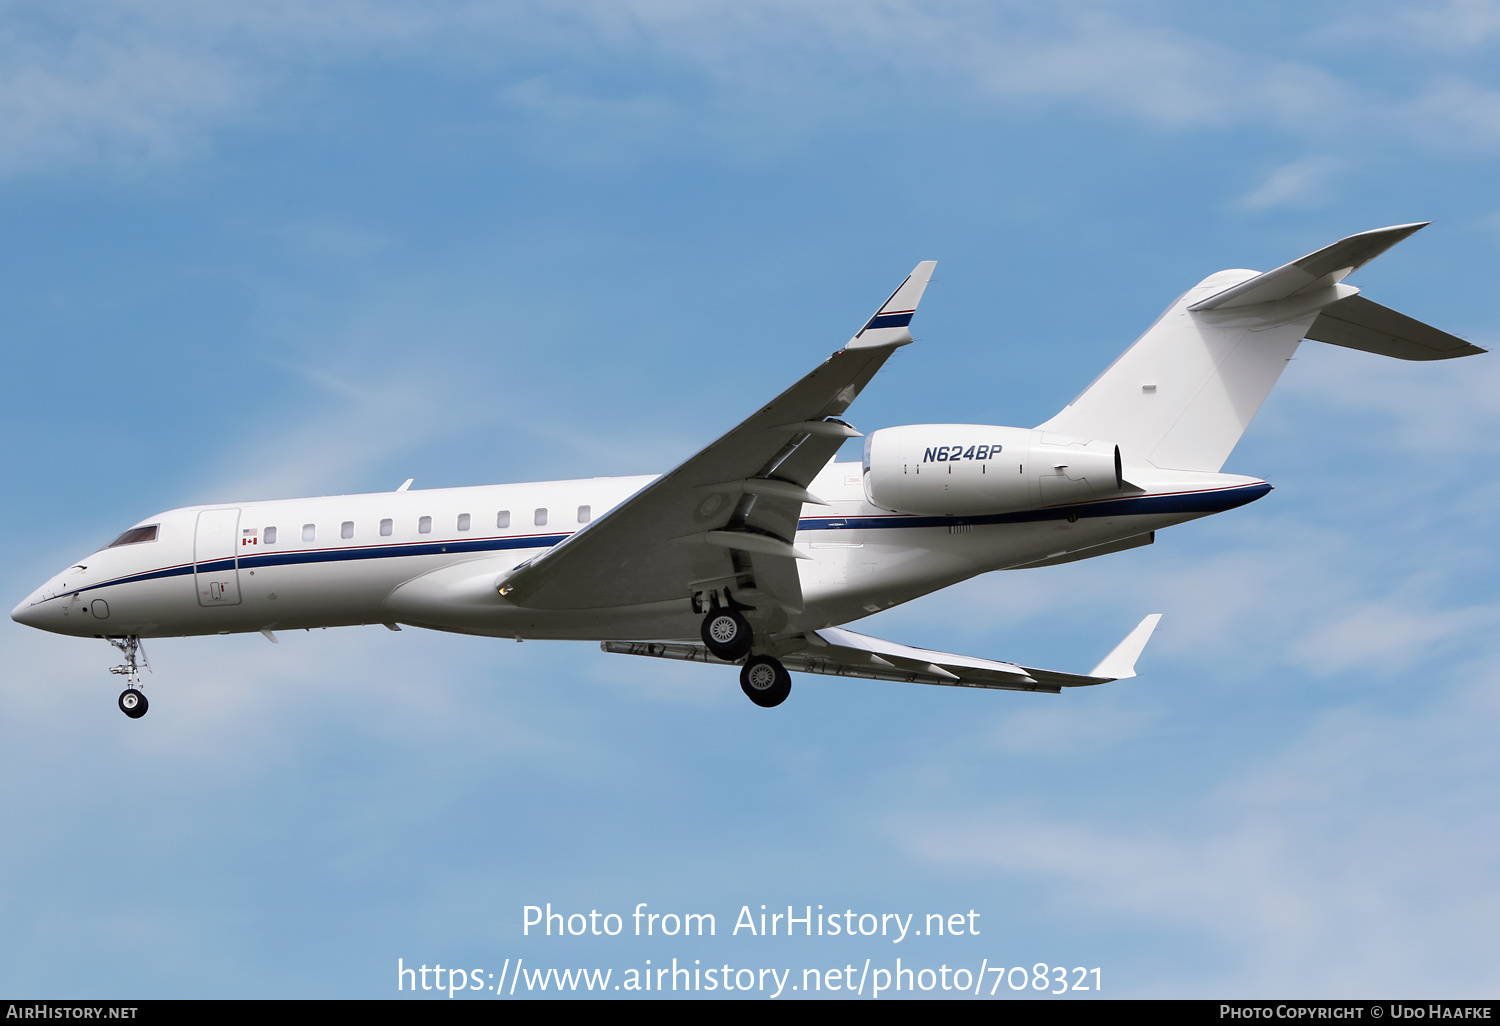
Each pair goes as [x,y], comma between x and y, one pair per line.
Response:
[974,469]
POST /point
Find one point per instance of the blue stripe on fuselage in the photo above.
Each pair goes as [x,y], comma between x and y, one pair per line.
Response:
[890,320]
[1215,501]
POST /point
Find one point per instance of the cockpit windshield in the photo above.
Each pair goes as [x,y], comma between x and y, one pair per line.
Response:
[136,534]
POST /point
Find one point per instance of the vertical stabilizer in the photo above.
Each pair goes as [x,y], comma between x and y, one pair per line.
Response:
[1183,394]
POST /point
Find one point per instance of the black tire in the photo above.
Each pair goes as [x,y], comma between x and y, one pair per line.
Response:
[765,681]
[133,703]
[727,634]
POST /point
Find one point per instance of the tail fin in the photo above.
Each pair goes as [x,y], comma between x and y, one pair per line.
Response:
[1183,394]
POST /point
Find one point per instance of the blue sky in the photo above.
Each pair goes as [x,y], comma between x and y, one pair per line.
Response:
[251,251]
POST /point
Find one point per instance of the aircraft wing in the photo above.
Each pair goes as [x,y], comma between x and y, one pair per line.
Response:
[727,517]
[840,653]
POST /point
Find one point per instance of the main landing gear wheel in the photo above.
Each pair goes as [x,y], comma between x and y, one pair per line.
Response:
[765,681]
[727,634]
[133,703]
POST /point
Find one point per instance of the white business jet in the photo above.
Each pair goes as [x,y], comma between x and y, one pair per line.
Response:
[755,550]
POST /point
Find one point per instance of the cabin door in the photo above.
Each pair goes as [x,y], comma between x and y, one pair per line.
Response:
[215,557]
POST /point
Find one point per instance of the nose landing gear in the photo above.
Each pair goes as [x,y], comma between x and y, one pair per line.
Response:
[132,702]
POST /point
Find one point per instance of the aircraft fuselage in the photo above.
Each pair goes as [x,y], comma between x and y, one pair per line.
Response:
[435,558]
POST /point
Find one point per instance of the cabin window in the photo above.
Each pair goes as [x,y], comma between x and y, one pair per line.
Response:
[463,521]
[136,534]
[585,514]
[270,536]
[386,527]
[540,519]
[424,526]
[502,519]
[309,532]
[346,529]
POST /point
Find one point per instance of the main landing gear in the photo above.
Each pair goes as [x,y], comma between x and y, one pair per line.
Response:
[765,681]
[728,636]
[132,702]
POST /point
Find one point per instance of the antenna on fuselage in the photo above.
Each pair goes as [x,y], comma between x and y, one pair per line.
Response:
[406,484]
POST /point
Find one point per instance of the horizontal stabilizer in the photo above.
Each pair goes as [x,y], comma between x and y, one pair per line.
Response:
[1357,323]
[1120,663]
[1328,266]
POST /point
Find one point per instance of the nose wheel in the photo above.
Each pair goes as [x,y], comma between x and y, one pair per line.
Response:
[765,681]
[133,703]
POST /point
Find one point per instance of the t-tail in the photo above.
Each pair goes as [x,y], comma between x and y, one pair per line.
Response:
[1184,393]
[1152,432]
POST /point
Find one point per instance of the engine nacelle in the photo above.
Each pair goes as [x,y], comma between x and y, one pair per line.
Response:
[973,469]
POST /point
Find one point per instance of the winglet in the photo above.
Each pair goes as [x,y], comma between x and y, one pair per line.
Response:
[891,324]
[1120,663]
[1328,266]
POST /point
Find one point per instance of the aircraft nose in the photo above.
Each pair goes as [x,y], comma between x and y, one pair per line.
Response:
[33,609]
[28,612]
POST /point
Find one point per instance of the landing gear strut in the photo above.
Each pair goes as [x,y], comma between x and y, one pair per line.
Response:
[132,702]
[765,681]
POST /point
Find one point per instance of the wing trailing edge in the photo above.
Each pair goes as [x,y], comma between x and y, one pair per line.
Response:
[836,652]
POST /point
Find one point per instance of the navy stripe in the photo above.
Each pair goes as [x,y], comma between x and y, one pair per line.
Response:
[389,551]
[1215,501]
[152,575]
[1144,505]
[891,320]
[264,559]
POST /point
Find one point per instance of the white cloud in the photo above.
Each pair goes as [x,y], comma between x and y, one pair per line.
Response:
[1065,730]
[1453,113]
[1386,636]
[1444,411]
[94,97]
[1301,183]
[1454,26]
[1358,860]
[147,81]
